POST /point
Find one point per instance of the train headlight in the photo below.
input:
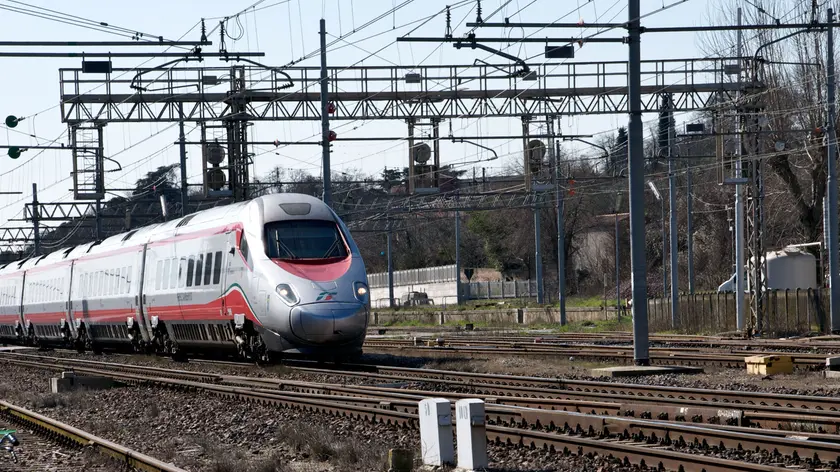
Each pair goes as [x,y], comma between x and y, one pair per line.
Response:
[288,294]
[360,290]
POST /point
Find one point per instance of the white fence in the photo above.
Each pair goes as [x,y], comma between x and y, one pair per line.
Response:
[414,276]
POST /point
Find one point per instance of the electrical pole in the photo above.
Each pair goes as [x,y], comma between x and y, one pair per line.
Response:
[690,230]
[617,258]
[664,253]
[325,120]
[457,253]
[740,275]
[672,208]
[560,203]
[183,143]
[636,176]
[98,219]
[537,251]
[831,131]
[390,267]
[36,233]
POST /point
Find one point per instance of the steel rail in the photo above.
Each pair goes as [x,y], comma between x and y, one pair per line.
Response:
[806,359]
[45,425]
[658,357]
[591,387]
[822,342]
[621,337]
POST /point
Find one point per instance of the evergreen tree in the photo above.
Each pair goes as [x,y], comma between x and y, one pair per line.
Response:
[663,130]
[618,153]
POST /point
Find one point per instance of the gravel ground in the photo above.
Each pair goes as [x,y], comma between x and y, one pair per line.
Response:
[200,432]
[37,454]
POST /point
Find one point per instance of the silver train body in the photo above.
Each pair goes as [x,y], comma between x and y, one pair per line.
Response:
[279,274]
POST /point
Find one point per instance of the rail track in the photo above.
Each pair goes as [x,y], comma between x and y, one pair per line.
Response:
[814,343]
[667,356]
[71,436]
[659,437]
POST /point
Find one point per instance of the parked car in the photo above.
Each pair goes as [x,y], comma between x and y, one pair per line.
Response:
[415,299]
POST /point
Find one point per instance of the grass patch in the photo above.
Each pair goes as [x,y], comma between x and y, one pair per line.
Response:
[590,302]
[319,443]
[57,400]
[624,324]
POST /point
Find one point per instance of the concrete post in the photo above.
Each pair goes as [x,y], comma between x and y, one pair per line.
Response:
[472,434]
[436,442]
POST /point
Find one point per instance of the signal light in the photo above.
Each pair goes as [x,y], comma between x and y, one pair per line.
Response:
[12,121]
[331,108]
[14,152]
[332,136]
[571,186]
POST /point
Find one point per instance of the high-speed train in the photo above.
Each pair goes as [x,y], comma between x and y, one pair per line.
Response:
[277,275]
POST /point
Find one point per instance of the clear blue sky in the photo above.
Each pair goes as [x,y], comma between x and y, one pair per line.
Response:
[284,31]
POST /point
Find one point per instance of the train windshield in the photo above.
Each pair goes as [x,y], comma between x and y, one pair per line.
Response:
[304,239]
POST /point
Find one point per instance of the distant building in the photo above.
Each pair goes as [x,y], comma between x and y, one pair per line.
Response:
[596,248]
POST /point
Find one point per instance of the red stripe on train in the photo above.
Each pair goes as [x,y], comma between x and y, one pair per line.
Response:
[211,311]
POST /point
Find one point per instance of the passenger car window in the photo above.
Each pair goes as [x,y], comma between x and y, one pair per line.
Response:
[217,268]
[208,268]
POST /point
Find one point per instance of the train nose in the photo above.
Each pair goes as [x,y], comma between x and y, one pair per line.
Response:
[329,321]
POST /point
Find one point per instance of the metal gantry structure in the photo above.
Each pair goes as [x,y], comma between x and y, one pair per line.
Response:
[416,95]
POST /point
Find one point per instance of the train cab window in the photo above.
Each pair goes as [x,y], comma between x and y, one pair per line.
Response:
[217,268]
[208,268]
[199,269]
[190,271]
[304,239]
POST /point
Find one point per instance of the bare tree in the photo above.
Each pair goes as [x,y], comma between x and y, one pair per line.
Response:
[792,74]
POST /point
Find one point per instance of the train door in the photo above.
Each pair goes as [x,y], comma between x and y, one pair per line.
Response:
[228,279]
[135,281]
[160,286]
[68,328]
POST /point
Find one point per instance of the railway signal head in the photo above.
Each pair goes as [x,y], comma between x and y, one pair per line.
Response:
[14,152]
[12,121]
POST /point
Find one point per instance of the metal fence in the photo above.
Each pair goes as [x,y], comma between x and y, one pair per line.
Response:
[491,290]
[414,276]
[788,312]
